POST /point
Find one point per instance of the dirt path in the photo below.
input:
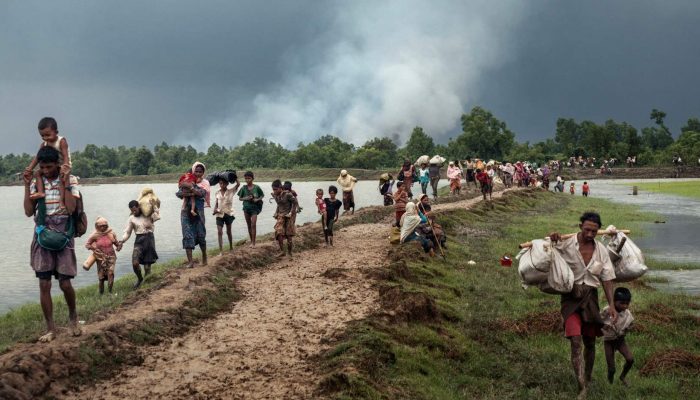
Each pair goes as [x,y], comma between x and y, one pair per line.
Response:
[260,350]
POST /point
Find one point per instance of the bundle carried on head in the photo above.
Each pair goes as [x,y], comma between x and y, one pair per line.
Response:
[385,177]
[437,160]
[228,175]
[423,160]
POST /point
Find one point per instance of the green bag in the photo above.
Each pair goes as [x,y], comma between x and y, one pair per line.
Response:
[50,239]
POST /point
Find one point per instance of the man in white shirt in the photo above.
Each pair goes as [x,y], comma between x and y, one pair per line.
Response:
[592,268]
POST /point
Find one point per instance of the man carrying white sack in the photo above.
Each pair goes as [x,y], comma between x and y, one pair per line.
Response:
[591,265]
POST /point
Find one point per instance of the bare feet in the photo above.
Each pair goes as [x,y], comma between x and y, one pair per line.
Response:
[75,329]
[138,284]
[624,382]
[47,337]
[281,255]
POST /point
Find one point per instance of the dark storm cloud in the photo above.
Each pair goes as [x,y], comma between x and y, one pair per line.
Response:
[135,72]
[599,60]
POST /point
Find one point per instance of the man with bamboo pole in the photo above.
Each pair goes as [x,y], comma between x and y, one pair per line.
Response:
[591,265]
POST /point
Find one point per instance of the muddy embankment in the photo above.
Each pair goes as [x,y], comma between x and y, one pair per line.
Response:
[124,338]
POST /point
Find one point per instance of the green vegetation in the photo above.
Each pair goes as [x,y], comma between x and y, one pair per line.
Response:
[483,135]
[683,188]
[448,330]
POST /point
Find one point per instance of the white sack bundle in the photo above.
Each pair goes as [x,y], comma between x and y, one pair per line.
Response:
[627,258]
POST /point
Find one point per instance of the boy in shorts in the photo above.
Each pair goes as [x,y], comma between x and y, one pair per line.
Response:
[223,211]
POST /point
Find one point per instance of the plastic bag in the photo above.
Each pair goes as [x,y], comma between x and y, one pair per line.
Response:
[629,261]
[228,175]
[534,262]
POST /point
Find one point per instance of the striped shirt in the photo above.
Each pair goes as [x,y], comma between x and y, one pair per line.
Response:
[53,194]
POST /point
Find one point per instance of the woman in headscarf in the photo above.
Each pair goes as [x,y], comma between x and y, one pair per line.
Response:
[407,172]
[454,174]
[409,224]
[194,231]
[347,184]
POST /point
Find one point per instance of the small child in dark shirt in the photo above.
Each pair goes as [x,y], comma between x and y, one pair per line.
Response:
[333,206]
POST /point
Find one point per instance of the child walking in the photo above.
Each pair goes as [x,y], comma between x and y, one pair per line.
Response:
[585,189]
[614,333]
[321,208]
[145,244]
[572,188]
[103,242]
[251,195]
[48,130]
[333,206]
[223,211]
[424,178]
[287,207]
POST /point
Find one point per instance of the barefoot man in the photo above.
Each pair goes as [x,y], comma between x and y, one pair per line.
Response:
[56,259]
[592,267]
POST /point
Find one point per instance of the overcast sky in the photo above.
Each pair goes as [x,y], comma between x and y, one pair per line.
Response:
[142,72]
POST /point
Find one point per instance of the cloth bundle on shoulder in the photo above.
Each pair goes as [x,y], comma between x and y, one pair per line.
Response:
[228,175]
[541,265]
[149,203]
[626,257]
[534,262]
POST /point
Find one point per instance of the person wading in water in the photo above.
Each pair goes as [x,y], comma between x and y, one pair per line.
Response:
[591,265]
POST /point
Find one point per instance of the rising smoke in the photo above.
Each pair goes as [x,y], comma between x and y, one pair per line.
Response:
[379,69]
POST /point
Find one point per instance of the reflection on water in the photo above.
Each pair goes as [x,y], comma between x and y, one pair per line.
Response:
[18,284]
[674,240]
[687,281]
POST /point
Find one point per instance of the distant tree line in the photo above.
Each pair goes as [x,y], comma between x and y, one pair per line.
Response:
[483,135]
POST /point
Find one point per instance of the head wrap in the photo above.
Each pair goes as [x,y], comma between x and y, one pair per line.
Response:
[409,221]
[203,183]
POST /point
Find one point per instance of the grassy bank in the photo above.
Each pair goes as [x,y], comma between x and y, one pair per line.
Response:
[26,323]
[683,188]
[449,330]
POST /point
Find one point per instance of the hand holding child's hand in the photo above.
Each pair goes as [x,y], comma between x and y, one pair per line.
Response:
[65,169]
